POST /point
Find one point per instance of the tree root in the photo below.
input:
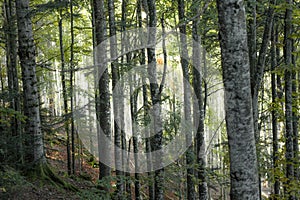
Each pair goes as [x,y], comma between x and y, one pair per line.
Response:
[44,171]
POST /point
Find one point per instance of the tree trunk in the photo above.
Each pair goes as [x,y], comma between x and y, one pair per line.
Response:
[289,154]
[156,142]
[134,110]
[274,113]
[72,71]
[64,88]
[238,105]
[116,93]
[34,144]
[103,98]
[295,116]
[257,69]
[197,84]
[151,192]
[187,98]
[12,73]
[252,38]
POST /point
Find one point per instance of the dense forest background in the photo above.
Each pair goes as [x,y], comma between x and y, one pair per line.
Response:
[149,99]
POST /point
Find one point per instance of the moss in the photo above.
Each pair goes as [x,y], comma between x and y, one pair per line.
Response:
[43,171]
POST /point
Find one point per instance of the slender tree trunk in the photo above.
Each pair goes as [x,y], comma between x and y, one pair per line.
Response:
[238,105]
[11,56]
[252,38]
[71,87]
[12,72]
[126,185]
[295,115]
[64,89]
[187,98]
[288,46]
[197,84]
[205,82]
[279,84]
[258,72]
[257,68]
[148,143]
[156,142]
[133,109]
[274,112]
[34,144]
[151,192]
[103,98]
[117,93]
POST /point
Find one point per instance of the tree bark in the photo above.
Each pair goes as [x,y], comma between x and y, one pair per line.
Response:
[197,84]
[252,37]
[288,46]
[151,191]
[274,112]
[156,142]
[258,71]
[116,93]
[187,98]
[295,116]
[64,89]
[12,72]
[72,71]
[134,110]
[238,105]
[34,144]
[103,98]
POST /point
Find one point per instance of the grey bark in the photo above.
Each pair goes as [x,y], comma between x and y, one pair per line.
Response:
[274,112]
[117,93]
[197,84]
[187,98]
[64,88]
[258,71]
[252,37]
[257,68]
[156,142]
[123,138]
[34,145]
[72,71]
[238,105]
[10,28]
[134,110]
[151,191]
[103,98]
[295,116]
[288,43]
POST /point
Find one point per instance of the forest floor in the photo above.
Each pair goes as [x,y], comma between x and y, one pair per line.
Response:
[15,186]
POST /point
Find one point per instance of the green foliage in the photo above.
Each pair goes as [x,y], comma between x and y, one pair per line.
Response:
[8,113]
[11,181]
[92,193]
